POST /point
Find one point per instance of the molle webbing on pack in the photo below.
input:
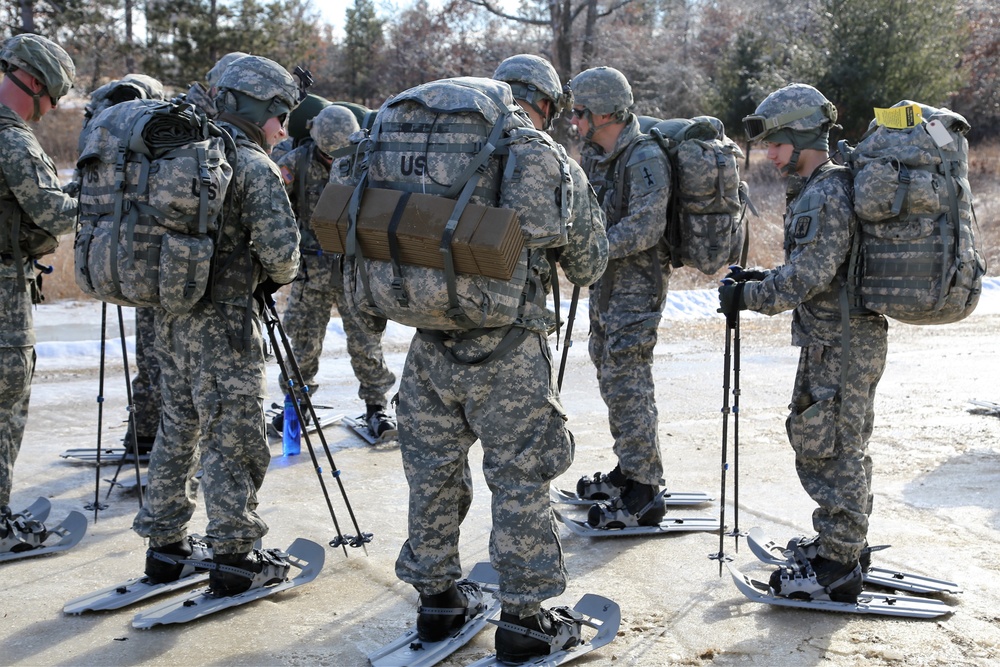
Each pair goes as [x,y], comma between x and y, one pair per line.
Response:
[155,178]
[447,145]
[705,226]
[918,258]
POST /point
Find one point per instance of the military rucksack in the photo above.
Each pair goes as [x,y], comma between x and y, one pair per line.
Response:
[462,139]
[708,201]
[154,180]
[916,258]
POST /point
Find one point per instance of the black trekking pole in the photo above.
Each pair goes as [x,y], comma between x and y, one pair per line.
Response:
[300,397]
[134,443]
[735,532]
[96,505]
[568,341]
[721,555]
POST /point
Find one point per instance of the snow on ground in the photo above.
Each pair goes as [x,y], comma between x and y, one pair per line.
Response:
[71,329]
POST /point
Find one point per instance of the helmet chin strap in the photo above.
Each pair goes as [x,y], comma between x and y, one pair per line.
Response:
[793,162]
[36,114]
[594,128]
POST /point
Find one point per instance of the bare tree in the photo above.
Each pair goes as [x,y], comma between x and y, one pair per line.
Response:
[562,14]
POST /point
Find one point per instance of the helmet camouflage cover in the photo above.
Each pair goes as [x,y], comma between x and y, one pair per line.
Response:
[41,58]
[602,90]
[261,88]
[219,68]
[332,127]
[298,119]
[797,114]
[537,78]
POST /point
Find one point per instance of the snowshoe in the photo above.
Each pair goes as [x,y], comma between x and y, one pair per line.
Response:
[519,640]
[439,615]
[809,576]
[602,487]
[232,574]
[18,533]
[638,505]
[176,561]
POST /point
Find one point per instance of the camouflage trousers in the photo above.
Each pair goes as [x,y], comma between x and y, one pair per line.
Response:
[306,317]
[146,383]
[512,407]
[17,365]
[829,427]
[212,418]
[621,348]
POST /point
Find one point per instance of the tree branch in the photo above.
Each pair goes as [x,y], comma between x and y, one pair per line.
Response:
[601,15]
[492,9]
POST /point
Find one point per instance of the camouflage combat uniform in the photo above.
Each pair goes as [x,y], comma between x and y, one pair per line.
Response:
[28,182]
[213,372]
[320,285]
[626,304]
[512,406]
[830,422]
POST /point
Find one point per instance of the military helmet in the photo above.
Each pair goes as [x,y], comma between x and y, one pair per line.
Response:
[332,127]
[298,119]
[532,78]
[151,88]
[602,90]
[41,58]
[797,114]
[257,89]
[219,68]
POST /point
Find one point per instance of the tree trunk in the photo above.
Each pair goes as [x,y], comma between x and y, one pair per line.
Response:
[590,27]
[129,54]
[27,15]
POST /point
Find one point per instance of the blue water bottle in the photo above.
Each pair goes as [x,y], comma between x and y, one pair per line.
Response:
[291,436]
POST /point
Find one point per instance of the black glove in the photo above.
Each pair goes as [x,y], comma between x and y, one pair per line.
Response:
[740,275]
[265,292]
[731,300]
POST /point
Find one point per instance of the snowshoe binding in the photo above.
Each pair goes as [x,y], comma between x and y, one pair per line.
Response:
[602,487]
[638,505]
[232,574]
[382,426]
[519,640]
[18,533]
[809,576]
[441,614]
[176,560]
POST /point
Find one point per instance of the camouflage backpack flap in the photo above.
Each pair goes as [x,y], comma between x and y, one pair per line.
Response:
[536,182]
[440,138]
[919,260]
[155,176]
[705,227]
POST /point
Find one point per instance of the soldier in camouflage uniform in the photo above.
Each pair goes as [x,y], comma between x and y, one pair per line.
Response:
[212,359]
[320,283]
[37,73]
[537,89]
[832,409]
[461,386]
[632,177]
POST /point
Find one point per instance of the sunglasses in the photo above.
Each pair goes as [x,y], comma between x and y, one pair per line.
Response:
[579,113]
[283,119]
